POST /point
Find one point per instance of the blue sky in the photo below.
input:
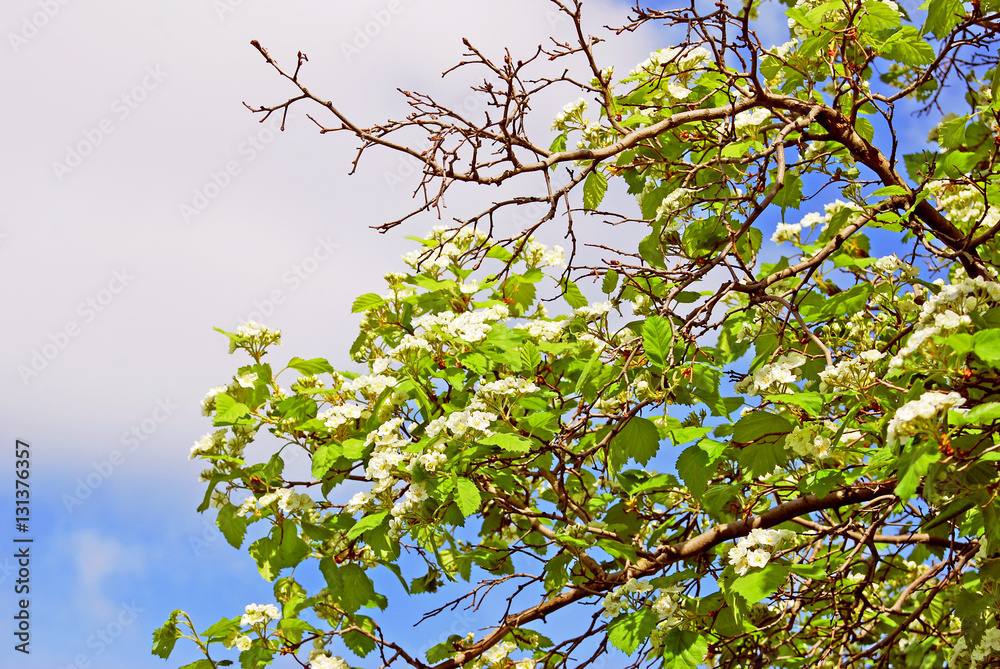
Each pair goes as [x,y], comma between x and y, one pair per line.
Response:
[185,214]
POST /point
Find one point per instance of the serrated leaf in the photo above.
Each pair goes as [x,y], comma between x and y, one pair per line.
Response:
[587,369]
[627,632]
[811,402]
[638,439]
[228,410]
[761,457]
[986,344]
[366,302]
[888,191]
[610,281]
[951,133]
[594,188]
[367,523]
[913,464]
[878,16]
[906,46]
[311,367]
[756,584]
[165,637]
[572,294]
[693,467]
[468,497]
[508,441]
[983,414]
[233,527]
[656,339]
[758,424]
[200,664]
[683,649]
[323,458]
[942,16]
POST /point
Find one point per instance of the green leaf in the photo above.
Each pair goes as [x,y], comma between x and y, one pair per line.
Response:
[594,189]
[323,458]
[683,649]
[811,402]
[638,439]
[610,281]
[367,523]
[906,46]
[951,132]
[888,191]
[758,424]
[200,664]
[165,637]
[656,338]
[693,467]
[228,411]
[878,16]
[358,590]
[360,644]
[761,457]
[627,632]
[757,584]
[508,441]
[942,16]
[790,194]
[913,464]
[572,294]
[311,367]
[282,550]
[468,497]
[585,374]
[983,414]
[366,302]
[233,527]
[986,344]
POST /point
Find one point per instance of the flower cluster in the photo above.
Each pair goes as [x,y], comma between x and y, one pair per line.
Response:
[670,61]
[809,442]
[920,415]
[497,656]
[448,247]
[411,500]
[328,662]
[747,121]
[592,311]
[470,326]
[544,330]
[851,373]
[773,377]
[989,645]
[212,443]
[786,232]
[888,265]
[257,335]
[340,414]
[208,403]
[573,111]
[258,614]
[287,500]
[619,598]
[757,548]
[947,310]
[507,386]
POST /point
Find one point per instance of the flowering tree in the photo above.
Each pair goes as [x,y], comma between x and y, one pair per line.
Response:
[823,420]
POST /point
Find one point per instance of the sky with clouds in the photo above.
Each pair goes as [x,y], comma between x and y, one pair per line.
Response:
[145,205]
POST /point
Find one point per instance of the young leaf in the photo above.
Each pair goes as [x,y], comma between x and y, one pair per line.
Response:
[594,189]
